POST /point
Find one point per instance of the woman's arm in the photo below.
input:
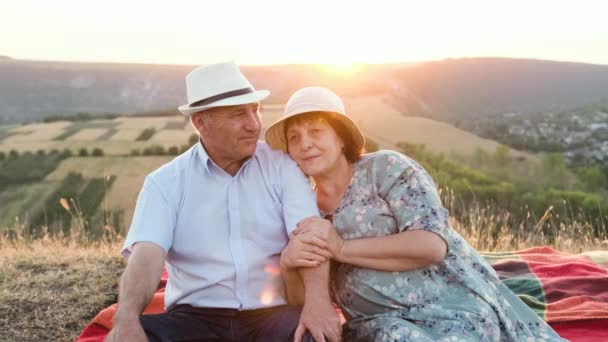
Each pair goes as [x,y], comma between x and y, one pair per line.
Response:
[421,220]
[397,252]
[403,251]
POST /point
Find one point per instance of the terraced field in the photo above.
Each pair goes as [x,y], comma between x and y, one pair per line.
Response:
[118,137]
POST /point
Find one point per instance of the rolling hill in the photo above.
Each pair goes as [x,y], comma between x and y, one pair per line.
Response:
[447,90]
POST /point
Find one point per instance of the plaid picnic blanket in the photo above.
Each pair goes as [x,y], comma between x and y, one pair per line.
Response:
[569,291]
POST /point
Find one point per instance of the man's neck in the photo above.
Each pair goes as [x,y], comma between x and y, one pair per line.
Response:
[231,166]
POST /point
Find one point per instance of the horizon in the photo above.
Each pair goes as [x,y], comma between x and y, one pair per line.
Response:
[272,32]
[337,66]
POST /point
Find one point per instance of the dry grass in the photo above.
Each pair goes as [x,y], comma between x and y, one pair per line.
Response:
[50,289]
[490,229]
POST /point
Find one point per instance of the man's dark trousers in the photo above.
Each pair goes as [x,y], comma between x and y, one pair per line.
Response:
[185,323]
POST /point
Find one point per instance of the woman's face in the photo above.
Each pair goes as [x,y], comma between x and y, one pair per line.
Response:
[314,145]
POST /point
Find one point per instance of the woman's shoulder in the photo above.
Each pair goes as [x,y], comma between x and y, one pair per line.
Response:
[387,159]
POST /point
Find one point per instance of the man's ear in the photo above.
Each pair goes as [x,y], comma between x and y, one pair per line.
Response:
[197,121]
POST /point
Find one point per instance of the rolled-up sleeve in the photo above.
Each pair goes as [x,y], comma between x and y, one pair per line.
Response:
[153,220]
[297,196]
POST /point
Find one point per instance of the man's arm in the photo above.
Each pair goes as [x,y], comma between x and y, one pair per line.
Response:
[301,251]
[294,287]
[318,314]
[137,286]
[299,202]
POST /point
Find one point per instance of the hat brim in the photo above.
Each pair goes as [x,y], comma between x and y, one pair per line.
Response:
[275,133]
[256,96]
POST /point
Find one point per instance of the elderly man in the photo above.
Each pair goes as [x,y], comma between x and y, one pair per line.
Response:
[219,216]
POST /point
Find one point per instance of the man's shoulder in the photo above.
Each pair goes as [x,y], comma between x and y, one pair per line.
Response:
[270,156]
[171,170]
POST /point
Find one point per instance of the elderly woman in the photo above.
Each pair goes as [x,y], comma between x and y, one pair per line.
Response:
[400,272]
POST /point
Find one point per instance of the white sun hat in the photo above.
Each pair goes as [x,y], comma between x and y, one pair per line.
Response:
[312,99]
[218,85]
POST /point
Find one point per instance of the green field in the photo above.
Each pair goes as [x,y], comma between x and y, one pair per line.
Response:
[475,172]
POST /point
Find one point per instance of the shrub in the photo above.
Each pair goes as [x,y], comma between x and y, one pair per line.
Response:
[155,150]
[173,151]
[97,152]
[146,134]
[193,139]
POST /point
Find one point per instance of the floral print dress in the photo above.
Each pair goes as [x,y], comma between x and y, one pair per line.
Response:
[459,299]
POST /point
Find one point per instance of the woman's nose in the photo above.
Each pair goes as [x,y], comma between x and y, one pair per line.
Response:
[305,143]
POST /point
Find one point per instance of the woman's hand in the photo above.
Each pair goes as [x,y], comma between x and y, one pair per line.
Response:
[304,250]
[321,229]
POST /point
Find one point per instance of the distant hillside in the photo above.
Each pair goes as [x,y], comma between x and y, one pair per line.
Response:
[457,89]
[30,91]
[453,89]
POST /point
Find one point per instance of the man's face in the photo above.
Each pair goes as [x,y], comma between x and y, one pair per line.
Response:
[229,133]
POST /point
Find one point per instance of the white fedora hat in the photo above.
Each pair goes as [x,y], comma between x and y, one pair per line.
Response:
[218,85]
[312,99]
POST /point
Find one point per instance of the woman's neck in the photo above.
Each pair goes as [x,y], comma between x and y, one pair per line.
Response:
[332,186]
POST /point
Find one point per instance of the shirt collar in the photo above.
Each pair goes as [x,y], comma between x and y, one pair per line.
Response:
[202,154]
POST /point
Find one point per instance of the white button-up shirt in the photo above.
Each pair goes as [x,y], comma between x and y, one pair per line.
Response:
[223,234]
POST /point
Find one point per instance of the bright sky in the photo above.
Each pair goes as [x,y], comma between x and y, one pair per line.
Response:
[311,31]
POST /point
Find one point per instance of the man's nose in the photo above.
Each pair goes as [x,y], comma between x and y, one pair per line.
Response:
[253,120]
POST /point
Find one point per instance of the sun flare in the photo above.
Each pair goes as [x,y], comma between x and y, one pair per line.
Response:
[342,68]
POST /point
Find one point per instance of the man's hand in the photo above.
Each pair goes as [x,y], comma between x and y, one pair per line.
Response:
[127,330]
[318,315]
[321,229]
[304,250]
[137,285]
[321,319]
